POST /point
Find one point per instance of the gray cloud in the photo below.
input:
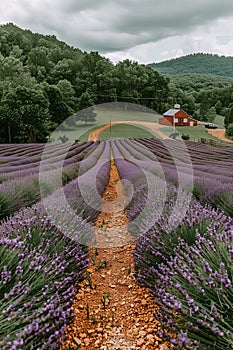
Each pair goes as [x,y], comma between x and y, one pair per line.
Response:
[113,25]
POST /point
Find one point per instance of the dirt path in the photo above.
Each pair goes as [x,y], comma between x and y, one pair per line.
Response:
[112,311]
[219,133]
[155,127]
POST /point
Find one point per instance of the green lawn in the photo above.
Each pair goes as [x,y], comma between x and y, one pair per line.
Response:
[125,131]
[195,132]
[105,114]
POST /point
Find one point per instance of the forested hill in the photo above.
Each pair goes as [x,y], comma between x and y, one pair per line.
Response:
[43,81]
[198,63]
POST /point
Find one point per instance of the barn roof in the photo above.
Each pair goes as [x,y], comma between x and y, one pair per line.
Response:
[171,112]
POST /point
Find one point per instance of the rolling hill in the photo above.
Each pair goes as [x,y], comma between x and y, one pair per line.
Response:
[198,63]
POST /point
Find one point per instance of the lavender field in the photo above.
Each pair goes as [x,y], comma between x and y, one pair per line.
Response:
[180,209]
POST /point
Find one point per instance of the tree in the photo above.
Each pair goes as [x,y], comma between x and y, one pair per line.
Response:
[211,114]
[30,109]
[85,106]
[228,117]
[59,110]
[230,130]
[218,106]
[96,76]
[68,93]
[141,84]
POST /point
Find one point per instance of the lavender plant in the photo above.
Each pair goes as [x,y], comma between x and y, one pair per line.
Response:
[189,271]
[39,272]
[195,292]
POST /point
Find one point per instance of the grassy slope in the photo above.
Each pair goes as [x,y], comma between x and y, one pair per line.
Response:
[125,131]
[104,115]
[194,132]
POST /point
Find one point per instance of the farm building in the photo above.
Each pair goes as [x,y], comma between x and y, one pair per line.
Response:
[177,117]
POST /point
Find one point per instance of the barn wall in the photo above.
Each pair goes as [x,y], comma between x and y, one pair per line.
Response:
[166,121]
[180,115]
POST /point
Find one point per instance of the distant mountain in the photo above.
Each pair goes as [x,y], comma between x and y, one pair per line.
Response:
[198,63]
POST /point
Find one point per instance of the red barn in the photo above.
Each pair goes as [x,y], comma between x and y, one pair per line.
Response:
[177,117]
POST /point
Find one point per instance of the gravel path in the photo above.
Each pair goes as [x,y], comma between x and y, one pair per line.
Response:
[219,133]
[112,311]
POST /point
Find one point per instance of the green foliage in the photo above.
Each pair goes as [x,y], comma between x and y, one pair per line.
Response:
[103,263]
[230,130]
[104,299]
[224,202]
[198,63]
[185,137]
[44,81]
[63,138]
[174,135]
[5,205]
[88,276]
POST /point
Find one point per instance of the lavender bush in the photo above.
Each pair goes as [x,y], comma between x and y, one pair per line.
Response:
[190,273]
[39,271]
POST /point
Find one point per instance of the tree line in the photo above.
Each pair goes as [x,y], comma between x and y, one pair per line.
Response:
[43,81]
[197,63]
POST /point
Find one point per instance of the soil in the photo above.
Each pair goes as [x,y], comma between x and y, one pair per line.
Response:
[219,133]
[111,310]
[155,127]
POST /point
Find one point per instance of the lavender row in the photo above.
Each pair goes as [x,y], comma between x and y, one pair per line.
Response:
[20,152]
[21,192]
[184,257]
[47,246]
[18,193]
[212,178]
[49,161]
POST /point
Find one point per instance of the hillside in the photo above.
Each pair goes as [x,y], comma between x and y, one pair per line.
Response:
[198,63]
[44,81]
[195,82]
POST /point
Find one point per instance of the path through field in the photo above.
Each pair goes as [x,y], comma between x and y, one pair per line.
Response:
[155,127]
[219,133]
[112,311]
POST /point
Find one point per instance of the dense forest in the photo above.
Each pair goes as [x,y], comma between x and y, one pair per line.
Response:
[43,81]
[198,63]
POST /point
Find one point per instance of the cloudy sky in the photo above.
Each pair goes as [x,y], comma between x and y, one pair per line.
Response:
[142,30]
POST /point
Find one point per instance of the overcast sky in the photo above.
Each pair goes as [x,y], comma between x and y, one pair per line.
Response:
[142,30]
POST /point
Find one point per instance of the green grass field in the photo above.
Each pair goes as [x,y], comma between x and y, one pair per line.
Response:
[195,132]
[125,131]
[105,114]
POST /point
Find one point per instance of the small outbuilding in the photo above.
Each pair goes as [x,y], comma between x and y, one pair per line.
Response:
[177,117]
